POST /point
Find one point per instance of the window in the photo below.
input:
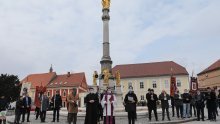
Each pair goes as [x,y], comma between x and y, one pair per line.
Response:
[141,85]
[154,83]
[48,94]
[166,84]
[178,83]
[142,97]
[129,84]
[64,93]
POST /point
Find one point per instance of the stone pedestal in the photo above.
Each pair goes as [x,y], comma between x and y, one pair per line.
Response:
[119,96]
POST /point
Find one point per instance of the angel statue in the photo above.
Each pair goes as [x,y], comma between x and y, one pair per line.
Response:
[106,4]
[106,75]
[95,76]
[118,78]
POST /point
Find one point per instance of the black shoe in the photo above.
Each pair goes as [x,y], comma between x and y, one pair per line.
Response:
[156,119]
[53,121]
[169,119]
[28,121]
[57,120]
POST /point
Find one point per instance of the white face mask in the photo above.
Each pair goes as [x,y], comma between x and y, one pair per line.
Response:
[130,90]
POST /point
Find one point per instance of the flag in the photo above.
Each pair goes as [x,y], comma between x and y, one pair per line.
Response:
[39,90]
[193,84]
[172,86]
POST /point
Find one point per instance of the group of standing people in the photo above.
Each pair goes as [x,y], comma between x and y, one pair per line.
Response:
[185,103]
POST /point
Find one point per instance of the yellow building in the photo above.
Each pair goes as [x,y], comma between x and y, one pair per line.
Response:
[152,75]
[210,77]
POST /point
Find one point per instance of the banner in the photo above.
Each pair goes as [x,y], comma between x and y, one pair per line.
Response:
[39,90]
[172,86]
[193,84]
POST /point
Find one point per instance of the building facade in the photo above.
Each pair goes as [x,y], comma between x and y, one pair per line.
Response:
[62,83]
[210,77]
[152,75]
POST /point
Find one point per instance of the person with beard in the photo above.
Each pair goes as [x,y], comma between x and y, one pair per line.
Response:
[152,103]
[108,103]
[72,100]
[164,97]
[92,102]
[130,104]
[199,103]
[179,104]
[57,104]
[211,104]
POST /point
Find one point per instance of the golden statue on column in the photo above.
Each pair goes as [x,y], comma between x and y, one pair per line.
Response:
[106,4]
[106,75]
[118,78]
[95,76]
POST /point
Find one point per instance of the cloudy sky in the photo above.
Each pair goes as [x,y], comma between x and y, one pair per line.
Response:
[68,34]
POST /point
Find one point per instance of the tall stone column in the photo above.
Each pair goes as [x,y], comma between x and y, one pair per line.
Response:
[106,62]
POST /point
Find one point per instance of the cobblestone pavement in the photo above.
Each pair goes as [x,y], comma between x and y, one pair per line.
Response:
[121,120]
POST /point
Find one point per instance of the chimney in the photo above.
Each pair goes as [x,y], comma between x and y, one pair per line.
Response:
[68,74]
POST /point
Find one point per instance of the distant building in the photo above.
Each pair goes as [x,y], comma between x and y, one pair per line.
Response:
[210,77]
[152,75]
[62,83]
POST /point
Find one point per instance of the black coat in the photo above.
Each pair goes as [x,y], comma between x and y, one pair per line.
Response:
[3,104]
[57,103]
[27,104]
[211,100]
[164,102]
[151,103]
[18,106]
[186,98]
[129,105]
[91,109]
[178,99]
[199,100]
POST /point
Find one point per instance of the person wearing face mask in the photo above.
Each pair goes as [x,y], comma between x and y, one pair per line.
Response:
[130,104]
[178,103]
[186,104]
[56,101]
[164,97]
[109,103]
[72,100]
[92,102]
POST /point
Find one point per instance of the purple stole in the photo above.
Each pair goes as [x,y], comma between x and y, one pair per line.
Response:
[112,107]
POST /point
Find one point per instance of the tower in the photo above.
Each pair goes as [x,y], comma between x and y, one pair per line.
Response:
[106,62]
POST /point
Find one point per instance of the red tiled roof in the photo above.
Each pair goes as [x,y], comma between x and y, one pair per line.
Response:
[39,79]
[150,69]
[74,80]
[212,67]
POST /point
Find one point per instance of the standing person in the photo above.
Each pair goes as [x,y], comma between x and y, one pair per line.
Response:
[37,112]
[219,99]
[172,105]
[108,103]
[199,103]
[130,104]
[186,104]
[152,103]
[92,102]
[44,100]
[27,107]
[179,104]
[18,109]
[192,104]
[164,97]
[3,103]
[211,104]
[72,100]
[57,104]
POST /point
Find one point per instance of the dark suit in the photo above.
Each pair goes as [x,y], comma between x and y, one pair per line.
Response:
[211,105]
[27,108]
[152,104]
[57,104]
[199,103]
[164,104]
